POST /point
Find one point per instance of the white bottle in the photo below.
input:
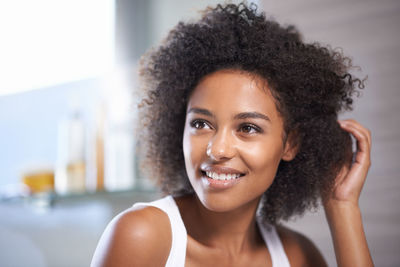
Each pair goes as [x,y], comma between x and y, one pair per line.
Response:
[71,163]
[119,141]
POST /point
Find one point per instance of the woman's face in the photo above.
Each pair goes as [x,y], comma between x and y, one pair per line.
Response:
[233,140]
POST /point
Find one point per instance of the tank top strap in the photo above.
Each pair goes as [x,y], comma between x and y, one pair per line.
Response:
[274,245]
[177,253]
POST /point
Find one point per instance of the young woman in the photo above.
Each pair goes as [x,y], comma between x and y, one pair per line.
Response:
[241,131]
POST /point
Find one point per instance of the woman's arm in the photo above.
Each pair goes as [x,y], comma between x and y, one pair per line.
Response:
[341,206]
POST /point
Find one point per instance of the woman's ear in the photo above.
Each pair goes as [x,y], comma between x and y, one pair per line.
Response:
[291,146]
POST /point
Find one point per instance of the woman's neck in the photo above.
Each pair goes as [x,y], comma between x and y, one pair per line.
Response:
[233,231]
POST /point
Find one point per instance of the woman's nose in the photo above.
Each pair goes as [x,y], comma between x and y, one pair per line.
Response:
[221,146]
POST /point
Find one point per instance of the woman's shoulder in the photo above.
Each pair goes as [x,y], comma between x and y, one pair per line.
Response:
[139,236]
[299,249]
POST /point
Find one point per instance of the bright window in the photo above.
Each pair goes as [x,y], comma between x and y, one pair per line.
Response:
[48,42]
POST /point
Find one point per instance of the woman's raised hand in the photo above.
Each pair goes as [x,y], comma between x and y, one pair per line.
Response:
[351,178]
[341,205]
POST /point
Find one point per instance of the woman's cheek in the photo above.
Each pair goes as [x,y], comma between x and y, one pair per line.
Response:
[187,150]
[258,156]
[193,149]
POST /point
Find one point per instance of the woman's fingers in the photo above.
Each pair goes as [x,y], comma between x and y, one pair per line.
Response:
[363,138]
[353,124]
[352,182]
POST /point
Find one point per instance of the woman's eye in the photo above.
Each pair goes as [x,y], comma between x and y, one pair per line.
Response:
[250,129]
[199,124]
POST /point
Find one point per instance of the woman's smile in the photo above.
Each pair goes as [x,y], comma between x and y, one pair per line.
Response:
[219,177]
[233,139]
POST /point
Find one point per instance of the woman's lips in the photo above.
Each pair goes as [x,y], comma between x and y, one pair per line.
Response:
[220,180]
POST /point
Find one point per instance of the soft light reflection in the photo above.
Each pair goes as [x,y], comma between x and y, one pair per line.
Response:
[48,42]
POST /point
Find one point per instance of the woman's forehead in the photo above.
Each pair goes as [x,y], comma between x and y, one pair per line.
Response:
[233,90]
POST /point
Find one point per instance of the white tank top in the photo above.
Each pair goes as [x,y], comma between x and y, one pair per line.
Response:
[177,253]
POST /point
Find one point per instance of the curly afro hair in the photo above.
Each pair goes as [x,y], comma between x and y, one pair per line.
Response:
[311,84]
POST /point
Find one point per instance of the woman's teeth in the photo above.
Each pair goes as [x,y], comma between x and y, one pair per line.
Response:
[223,176]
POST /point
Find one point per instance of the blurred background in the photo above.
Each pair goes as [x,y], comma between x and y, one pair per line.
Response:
[68,162]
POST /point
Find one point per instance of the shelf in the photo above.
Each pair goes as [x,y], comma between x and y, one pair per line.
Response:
[51,200]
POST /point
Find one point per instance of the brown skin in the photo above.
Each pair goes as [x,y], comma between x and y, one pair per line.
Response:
[221,223]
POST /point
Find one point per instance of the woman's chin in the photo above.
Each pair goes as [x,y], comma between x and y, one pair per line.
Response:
[217,202]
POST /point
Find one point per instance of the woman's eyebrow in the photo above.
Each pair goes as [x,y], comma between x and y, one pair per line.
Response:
[240,116]
[200,111]
[251,115]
